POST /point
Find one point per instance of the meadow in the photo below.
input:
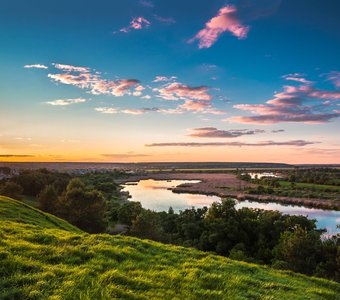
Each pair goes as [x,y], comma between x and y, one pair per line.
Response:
[44,257]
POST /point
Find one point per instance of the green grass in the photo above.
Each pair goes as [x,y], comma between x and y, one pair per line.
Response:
[43,258]
[311,186]
[30,200]
[19,212]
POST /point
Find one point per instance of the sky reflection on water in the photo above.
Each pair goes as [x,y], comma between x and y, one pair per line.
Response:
[156,195]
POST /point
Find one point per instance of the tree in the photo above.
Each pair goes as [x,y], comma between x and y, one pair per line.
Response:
[299,249]
[47,199]
[147,225]
[11,189]
[83,208]
[129,211]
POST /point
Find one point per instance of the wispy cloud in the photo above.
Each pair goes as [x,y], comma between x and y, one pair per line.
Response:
[20,138]
[36,66]
[164,78]
[15,155]
[65,102]
[334,77]
[136,24]
[295,143]
[124,155]
[141,111]
[107,110]
[298,78]
[70,68]
[212,132]
[225,20]
[166,20]
[146,3]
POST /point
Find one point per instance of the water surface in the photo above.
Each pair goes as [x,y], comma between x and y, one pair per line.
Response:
[157,195]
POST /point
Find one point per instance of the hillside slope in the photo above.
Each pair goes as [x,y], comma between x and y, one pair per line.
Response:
[43,257]
[17,211]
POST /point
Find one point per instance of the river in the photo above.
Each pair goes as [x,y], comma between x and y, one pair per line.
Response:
[157,195]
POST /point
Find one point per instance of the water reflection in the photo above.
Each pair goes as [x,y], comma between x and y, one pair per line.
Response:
[157,195]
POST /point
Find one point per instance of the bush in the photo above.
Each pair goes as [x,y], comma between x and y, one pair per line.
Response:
[12,190]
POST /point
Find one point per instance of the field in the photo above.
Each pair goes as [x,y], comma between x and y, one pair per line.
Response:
[43,257]
[321,187]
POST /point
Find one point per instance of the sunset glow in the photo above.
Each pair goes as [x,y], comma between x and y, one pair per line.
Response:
[151,81]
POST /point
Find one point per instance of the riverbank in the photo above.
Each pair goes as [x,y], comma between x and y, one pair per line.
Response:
[227,185]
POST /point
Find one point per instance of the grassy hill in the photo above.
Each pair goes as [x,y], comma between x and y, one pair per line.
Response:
[43,257]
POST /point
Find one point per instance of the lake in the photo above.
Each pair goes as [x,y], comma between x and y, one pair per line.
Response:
[157,195]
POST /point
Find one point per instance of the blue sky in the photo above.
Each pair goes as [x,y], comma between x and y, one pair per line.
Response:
[218,62]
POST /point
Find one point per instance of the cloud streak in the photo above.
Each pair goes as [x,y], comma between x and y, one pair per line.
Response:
[65,102]
[36,66]
[212,132]
[15,155]
[141,111]
[225,20]
[146,3]
[295,143]
[124,155]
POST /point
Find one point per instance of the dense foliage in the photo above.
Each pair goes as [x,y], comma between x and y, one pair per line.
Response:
[328,176]
[43,257]
[83,200]
[253,235]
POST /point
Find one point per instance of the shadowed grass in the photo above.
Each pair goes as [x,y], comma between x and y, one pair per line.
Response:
[38,260]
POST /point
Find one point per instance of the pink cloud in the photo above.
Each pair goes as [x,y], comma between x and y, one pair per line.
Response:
[179,91]
[334,77]
[297,77]
[225,20]
[136,24]
[290,106]
[195,105]
[94,84]
[117,88]
[82,80]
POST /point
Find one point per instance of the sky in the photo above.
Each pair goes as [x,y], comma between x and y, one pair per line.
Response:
[152,80]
